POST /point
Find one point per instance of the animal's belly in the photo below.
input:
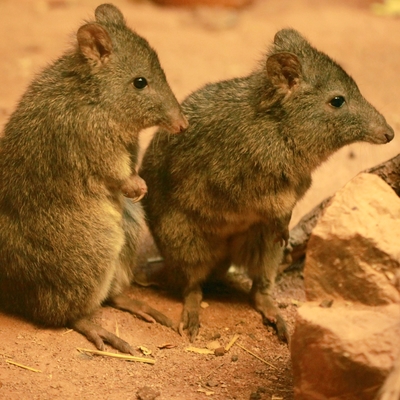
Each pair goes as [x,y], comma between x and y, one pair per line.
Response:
[266,209]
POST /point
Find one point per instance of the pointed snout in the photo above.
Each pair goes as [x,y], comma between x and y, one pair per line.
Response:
[178,124]
[174,120]
[389,135]
[382,133]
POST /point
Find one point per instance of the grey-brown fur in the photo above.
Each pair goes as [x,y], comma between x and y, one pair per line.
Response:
[67,154]
[222,193]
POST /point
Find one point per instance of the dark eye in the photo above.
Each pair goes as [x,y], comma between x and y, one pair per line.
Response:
[337,101]
[140,83]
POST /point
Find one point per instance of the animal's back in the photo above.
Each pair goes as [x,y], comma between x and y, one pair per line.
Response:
[225,168]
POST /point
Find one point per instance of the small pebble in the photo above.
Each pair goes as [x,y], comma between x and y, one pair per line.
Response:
[147,393]
[220,351]
[203,304]
[216,335]
[212,383]
[235,357]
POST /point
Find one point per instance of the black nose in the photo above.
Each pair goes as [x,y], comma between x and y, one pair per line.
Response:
[389,135]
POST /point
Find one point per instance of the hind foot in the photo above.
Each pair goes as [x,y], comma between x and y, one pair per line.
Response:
[99,336]
[140,309]
[264,304]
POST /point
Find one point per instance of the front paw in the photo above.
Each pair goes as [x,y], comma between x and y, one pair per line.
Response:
[282,237]
[134,188]
[190,321]
[281,230]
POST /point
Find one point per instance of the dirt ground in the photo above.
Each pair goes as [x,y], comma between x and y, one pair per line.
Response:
[195,47]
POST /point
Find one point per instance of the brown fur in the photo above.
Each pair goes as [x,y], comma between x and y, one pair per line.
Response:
[222,193]
[68,152]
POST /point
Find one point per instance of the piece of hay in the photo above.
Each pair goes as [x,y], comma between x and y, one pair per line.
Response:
[23,366]
[256,356]
[231,343]
[126,357]
[206,392]
[116,329]
[199,351]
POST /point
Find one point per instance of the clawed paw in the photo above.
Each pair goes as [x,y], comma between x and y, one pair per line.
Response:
[264,304]
[134,188]
[190,321]
[282,237]
[278,323]
[141,309]
[99,336]
[281,229]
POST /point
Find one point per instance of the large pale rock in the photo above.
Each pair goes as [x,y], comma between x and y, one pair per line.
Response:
[343,352]
[354,250]
[353,257]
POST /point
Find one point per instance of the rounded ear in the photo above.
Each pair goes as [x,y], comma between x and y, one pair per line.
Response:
[288,36]
[284,70]
[94,43]
[108,13]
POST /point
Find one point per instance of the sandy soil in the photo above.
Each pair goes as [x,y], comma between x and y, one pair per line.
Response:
[195,47]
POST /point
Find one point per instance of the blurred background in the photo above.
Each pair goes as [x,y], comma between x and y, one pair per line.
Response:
[201,41]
